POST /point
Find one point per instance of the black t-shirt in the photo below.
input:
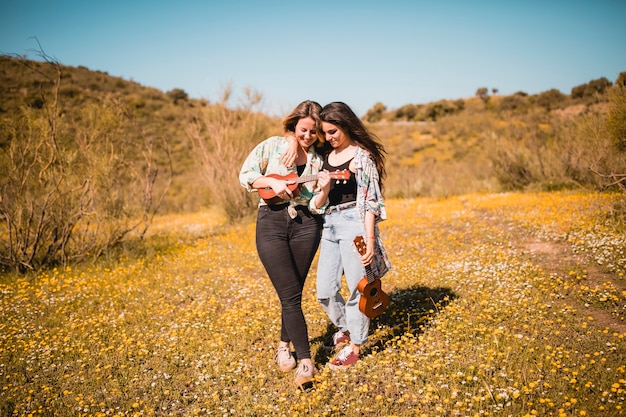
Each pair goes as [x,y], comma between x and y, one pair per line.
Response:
[341,191]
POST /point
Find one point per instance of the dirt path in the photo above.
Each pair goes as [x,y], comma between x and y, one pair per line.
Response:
[557,258]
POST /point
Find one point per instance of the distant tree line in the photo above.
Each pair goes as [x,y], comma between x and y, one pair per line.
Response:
[589,93]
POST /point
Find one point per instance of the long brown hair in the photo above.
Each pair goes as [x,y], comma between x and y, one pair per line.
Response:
[340,114]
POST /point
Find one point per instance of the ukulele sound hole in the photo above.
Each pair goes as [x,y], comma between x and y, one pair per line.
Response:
[373,292]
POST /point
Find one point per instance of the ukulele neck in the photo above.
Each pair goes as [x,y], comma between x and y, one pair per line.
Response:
[306,178]
[369,273]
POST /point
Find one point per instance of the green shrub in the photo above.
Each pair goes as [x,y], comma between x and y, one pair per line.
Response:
[616,119]
[550,99]
[69,188]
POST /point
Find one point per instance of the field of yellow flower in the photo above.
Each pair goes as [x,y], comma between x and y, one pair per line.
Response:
[501,305]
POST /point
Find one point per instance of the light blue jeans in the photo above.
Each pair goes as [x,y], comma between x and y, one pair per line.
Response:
[339,256]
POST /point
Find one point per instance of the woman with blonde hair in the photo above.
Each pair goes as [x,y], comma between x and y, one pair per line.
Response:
[288,224]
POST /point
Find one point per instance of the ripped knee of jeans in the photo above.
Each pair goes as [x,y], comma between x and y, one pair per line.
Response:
[324,301]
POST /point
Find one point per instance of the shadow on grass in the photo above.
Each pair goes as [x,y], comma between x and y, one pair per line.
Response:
[409,311]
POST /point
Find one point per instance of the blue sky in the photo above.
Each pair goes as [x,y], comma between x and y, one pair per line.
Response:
[360,52]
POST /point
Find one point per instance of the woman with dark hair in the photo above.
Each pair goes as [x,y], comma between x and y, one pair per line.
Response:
[354,209]
[288,224]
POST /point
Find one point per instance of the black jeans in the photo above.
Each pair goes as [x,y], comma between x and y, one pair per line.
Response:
[287,247]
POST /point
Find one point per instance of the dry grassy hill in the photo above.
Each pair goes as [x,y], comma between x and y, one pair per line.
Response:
[152,114]
[440,148]
[80,148]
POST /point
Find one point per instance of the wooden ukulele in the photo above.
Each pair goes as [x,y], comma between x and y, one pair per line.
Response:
[270,196]
[373,300]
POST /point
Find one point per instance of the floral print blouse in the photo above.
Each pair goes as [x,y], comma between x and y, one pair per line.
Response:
[265,159]
[369,198]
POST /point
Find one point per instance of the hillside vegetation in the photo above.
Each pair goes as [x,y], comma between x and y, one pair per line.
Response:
[87,159]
